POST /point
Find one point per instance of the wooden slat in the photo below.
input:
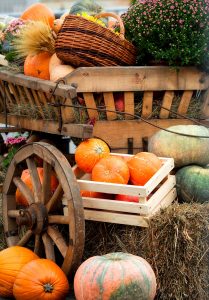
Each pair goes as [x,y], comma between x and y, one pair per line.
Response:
[68,115]
[184,103]
[22,96]
[15,92]
[38,84]
[110,105]
[25,238]
[4,92]
[90,102]
[108,131]
[116,218]
[147,104]
[29,96]
[129,104]
[73,130]
[38,104]
[167,103]
[109,79]
[43,100]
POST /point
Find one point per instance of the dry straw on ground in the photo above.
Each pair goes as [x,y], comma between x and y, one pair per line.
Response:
[176,244]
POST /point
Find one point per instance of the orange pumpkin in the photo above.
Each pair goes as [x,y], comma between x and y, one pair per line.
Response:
[89,152]
[20,199]
[39,12]
[41,279]
[38,65]
[112,169]
[12,260]
[142,167]
[115,276]
[92,194]
[127,198]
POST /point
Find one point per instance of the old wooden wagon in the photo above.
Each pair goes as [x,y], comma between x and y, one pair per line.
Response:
[53,225]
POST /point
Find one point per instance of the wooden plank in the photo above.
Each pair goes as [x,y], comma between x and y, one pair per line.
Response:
[109,79]
[128,207]
[184,103]
[68,114]
[90,102]
[15,93]
[147,104]
[38,104]
[136,129]
[167,166]
[116,218]
[38,84]
[167,201]
[129,104]
[167,103]
[110,105]
[74,130]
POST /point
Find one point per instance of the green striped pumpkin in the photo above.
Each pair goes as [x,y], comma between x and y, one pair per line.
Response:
[115,276]
[193,184]
[184,149]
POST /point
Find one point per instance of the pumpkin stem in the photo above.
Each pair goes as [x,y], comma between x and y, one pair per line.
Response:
[48,287]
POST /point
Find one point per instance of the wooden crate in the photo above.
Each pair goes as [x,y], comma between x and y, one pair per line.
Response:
[159,192]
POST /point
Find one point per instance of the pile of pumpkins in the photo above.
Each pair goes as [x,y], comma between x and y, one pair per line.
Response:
[189,146]
[93,156]
[25,276]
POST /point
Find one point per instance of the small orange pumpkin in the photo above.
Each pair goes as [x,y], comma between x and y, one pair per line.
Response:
[38,65]
[39,12]
[111,169]
[12,260]
[20,199]
[142,167]
[89,152]
[41,279]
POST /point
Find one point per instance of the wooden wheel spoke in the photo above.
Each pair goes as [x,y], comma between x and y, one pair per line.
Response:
[35,179]
[49,247]
[46,182]
[58,219]
[24,189]
[25,238]
[55,198]
[58,239]
[37,244]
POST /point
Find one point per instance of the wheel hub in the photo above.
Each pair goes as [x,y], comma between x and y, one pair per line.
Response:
[35,217]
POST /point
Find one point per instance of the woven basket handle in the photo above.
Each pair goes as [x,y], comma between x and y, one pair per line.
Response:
[118,18]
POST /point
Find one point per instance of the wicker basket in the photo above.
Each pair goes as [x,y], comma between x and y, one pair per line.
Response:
[81,42]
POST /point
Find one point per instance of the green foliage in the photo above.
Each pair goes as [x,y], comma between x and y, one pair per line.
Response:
[7,160]
[176,32]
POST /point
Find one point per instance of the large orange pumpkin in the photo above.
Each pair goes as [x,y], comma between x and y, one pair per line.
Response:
[38,65]
[89,152]
[115,276]
[26,178]
[143,166]
[41,279]
[39,12]
[111,169]
[12,260]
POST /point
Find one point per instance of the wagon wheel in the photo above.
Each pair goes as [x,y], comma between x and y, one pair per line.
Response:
[52,225]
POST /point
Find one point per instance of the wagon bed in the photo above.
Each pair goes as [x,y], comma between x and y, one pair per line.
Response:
[165,96]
